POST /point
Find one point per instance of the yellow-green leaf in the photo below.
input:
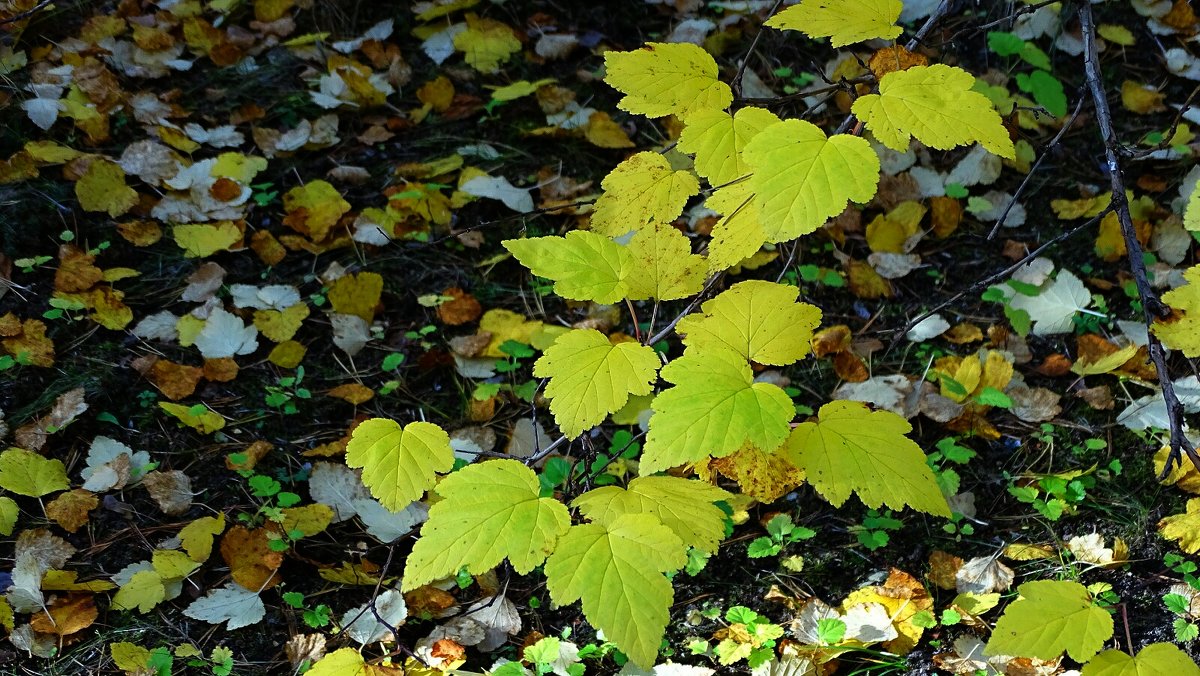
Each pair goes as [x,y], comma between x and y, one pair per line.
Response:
[717,138]
[1191,213]
[617,570]
[757,319]
[1051,616]
[27,473]
[852,449]
[583,265]
[590,377]
[640,192]
[936,105]
[666,79]
[143,591]
[129,657]
[663,266]
[8,515]
[1156,659]
[803,178]
[341,662]
[739,234]
[1183,528]
[199,417]
[845,22]
[1181,331]
[683,505]
[399,463]
[491,511]
[196,538]
[713,410]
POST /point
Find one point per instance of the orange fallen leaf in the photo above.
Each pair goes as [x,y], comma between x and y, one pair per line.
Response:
[252,563]
[65,615]
[70,510]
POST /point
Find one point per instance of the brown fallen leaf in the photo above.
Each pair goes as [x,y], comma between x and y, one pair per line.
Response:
[66,614]
[252,563]
[70,510]
[462,308]
[171,490]
[66,408]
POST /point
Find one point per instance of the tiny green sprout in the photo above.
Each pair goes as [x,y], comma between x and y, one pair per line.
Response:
[781,531]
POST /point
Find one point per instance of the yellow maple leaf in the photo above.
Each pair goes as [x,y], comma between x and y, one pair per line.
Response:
[1183,528]
[666,79]
[1181,331]
[102,188]
[280,325]
[802,178]
[486,43]
[641,191]
[717,138]
[663,265]
[843,21]
[758,320]
[356,294]
[199,240]
[314,208]
[936,105]
[591,377]
[739,234]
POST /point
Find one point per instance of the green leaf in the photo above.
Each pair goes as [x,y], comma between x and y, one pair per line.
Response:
[617,572]
[583,265]
[1004,44]
[1050,617]
[852,449]
[1157,659]
[491,511]
[831,630]
[762,547]
[1046,90]
[683,505]
[27,473]
[590,377]
[713,410]
[8,515]
[399,463]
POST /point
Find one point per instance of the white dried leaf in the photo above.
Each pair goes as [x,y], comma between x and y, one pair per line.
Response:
[370,622]
[983,575]
[498,188]
[232,604]
[339,487]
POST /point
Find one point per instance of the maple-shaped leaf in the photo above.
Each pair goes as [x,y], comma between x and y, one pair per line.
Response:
[757,319]
[583,265]
[852,449]
[1156,659]
[30,474]
[1181,331]
[1183,528]
[803,178]
[232,604]
[143,591]
[486,43]
[1051,616]
[490,511]
[640,192]
[717,138]
[663,266]
[399,463]
[845,22]
[590,377]
[1053,308]
[102,188]
[617,570]
[714,409]
[683,505]
[666,79]
[936,105]
[739,234]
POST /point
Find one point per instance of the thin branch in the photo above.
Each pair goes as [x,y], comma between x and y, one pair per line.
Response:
[997,276]
[942,8]
[1152,306]
[736,83]
[686,311]
[26,14]
[1033,170]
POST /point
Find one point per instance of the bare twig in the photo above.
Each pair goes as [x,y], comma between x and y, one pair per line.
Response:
[1033,170]
[998,276]
[736,83]
[26,14]
[1152,306]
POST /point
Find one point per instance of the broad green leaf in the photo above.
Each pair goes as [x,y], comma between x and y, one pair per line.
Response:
[666,79]
[1156,659]
[617,570]
[714,409]
[936,105]
[1181,331]
[852,449]
[803,178]
[759,320]
[399,463]
[845,22]
[8,515]
[717,138]
[491,511]
[1051,616]
[590,377]
[683,505]
[739,234]
[583,265]
[663,265]
[27,473]
[640,192]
